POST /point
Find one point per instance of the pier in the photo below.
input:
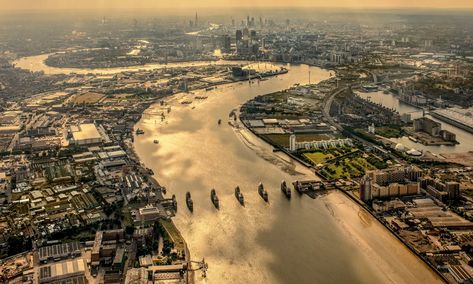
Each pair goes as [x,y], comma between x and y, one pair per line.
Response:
[310,187]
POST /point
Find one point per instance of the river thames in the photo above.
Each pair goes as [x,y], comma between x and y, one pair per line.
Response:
[326,240]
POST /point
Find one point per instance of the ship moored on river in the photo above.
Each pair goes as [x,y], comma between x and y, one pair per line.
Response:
[285,189]
[262,192]
[189,202]
[214,198]
[239,196]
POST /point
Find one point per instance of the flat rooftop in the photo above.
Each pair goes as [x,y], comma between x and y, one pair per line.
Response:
[85,132]
[61,269]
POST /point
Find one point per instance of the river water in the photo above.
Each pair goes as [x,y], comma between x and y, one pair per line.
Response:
[326,240]
[36,64]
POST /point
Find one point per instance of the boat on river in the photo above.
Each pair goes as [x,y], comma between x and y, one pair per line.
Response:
[262,192]
[189,202]
[156,141]
[239,195]
[139,131]
[285,189]
[214,198]
[219,122]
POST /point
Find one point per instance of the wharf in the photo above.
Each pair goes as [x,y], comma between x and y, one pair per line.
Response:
[310,187]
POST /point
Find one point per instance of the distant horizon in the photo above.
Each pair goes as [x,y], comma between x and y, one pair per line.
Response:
[240,8]
[57,5]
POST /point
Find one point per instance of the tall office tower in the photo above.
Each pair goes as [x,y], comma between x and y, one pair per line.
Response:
[252,35]
[246,33]
[365,188]
[226,42]
[238,35]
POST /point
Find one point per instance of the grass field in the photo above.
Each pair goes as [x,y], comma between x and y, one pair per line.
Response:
[318,157]
[322,156]
[348,168]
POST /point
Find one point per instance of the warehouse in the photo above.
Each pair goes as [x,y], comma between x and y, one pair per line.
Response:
[61,270]
[58,251]
[85,134]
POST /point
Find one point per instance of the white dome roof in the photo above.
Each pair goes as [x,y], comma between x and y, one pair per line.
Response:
[414,152]
[400,147]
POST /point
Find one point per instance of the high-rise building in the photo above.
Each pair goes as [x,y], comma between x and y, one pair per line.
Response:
[246,33]
[292,143]
[443,191]
[226,42]
[252,34]
[453,190]
[365,189]
[238,36]
[390,183]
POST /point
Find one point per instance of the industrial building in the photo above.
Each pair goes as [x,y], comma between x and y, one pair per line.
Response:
[85,134]
[105,246]
[149,214]
[59,251]
[425,208]
[433,128]
[62,270]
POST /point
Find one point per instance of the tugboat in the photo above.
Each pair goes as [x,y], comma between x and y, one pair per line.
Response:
[239,196]
[219,122]
[189,202]
[214,198]
[285,189]
[262,192]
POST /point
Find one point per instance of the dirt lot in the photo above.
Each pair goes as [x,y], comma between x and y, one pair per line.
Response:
[465,159]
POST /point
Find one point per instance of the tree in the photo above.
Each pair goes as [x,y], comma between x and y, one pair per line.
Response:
[129,230]
[17,244]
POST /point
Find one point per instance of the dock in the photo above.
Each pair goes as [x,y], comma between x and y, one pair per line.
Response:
[310,187]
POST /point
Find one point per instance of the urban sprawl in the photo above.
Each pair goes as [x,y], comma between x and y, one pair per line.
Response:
[78,206]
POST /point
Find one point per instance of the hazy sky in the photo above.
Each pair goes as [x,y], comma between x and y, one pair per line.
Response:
[140,4]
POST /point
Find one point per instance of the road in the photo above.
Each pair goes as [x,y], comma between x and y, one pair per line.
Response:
[327,104]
